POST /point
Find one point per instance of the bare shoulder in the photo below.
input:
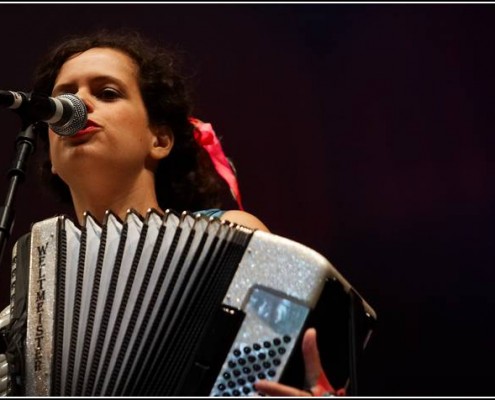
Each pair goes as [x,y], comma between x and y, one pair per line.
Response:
[244,218]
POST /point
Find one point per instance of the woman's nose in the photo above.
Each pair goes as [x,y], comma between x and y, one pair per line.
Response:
[86,98]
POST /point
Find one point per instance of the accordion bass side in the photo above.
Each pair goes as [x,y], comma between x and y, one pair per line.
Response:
[173,304]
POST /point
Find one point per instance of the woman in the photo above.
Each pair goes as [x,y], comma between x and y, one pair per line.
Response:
[141,148]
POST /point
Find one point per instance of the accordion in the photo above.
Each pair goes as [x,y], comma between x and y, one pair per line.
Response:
[173,304]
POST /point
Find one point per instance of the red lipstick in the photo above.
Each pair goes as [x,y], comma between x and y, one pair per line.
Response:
[90,127]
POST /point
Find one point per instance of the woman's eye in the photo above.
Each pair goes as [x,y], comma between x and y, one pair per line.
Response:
[108,94]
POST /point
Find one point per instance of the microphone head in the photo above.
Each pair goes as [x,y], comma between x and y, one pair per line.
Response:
[77,116]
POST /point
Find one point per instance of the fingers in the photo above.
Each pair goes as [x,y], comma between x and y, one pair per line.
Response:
[316,379]
[312,363]
[270,388]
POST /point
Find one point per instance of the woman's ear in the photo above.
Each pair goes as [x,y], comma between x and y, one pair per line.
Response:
[163,142]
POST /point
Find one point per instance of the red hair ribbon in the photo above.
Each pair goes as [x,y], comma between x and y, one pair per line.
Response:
[206,137]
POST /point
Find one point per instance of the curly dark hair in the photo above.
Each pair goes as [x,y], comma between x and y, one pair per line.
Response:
[186,179]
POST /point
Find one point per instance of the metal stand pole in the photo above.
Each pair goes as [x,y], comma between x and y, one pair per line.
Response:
[25,145]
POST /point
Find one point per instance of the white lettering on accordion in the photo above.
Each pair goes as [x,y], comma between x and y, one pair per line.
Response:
[40,301]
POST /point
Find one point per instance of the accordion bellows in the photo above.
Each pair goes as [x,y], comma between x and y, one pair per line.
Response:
[164,305]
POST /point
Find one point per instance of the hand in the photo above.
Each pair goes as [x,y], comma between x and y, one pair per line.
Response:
[316,381]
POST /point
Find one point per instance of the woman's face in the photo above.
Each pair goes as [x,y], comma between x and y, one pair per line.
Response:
[117,135]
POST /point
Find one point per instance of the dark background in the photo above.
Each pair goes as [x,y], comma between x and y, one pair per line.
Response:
[363,131]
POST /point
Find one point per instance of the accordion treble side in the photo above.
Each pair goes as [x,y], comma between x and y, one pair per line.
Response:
[175,305]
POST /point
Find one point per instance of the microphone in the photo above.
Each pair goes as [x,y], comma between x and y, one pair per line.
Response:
[65,114]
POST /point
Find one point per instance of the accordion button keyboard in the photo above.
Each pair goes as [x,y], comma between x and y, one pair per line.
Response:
[257,365]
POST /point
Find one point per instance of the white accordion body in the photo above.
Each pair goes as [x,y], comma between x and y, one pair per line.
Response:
[132,307]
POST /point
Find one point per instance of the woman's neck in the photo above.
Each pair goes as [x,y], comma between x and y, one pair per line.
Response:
[97,199]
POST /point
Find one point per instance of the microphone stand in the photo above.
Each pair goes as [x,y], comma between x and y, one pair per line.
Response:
[25,145]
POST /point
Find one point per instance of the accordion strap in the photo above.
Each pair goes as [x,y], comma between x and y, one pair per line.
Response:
[15,333]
